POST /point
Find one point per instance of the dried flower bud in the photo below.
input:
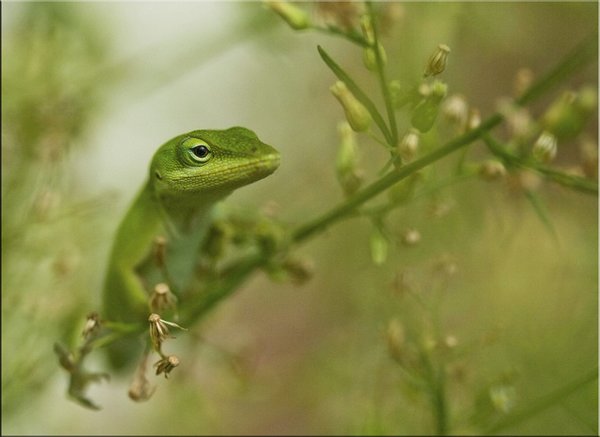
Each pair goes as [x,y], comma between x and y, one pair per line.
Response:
[140,388]
[299,271]
[162,299]
[455,109]
[525,180]
[356,114]
[166,365]
[588,151]
[92,326]
[545,147]
[474,119]
[160,251]
[159,331]
[411,237]
[293,15]
[523,80]
[492,170]
[438,61]
[409,145]
[451,341]
[396,339]
[340,14]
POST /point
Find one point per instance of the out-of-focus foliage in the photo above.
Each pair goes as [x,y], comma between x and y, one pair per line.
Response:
[49,236]
[483,288]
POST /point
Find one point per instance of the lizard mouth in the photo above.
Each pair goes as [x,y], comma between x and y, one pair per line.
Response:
[234,175]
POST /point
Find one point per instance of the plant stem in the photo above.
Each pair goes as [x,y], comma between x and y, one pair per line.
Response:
[383,80]
[570,181]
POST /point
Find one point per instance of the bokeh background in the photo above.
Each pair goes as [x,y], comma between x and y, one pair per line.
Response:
[89,90]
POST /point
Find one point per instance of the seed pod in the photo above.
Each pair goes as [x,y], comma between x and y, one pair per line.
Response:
[545,147]
[379,246]
[294,16]
[356,114]
[438,61]
[409,145]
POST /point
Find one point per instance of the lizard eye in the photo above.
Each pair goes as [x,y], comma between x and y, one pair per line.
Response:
[198,150]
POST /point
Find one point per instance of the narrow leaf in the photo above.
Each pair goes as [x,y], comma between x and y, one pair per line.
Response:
[540,209]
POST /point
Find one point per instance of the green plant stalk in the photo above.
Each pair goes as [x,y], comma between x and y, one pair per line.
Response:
[344,209]
[570,181]
[536,406]
[351,36]
[383,80]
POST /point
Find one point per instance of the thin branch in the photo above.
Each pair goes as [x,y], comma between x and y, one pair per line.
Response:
[570,181]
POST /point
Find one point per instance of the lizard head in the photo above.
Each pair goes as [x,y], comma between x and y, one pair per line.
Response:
[211,162]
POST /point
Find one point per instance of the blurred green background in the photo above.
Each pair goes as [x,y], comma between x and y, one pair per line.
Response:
[89,90]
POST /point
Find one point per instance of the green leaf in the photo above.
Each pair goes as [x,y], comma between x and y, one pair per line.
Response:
[358,93]
[540,209]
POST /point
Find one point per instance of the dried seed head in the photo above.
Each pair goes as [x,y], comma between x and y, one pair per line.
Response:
[140,388]
[523,80]
[166,365]
[396,339]
[451,341]
[409,145]
[492,170]
[526,180]
[545,147]
[159,331]
[92,326]
[588,152]
[411,237]
[342,14]
[437,61]
[456,110]
[474,119]
[162,299]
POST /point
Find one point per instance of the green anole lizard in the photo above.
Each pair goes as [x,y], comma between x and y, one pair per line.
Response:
[188,176]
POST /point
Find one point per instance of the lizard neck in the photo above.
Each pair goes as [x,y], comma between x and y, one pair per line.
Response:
[187,213]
